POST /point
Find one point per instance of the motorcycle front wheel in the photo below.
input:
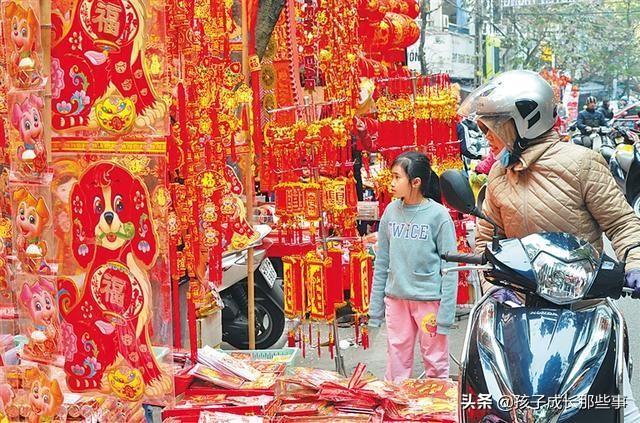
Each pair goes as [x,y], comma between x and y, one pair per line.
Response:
[270,324]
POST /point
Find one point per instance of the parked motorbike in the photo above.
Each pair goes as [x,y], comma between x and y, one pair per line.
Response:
[269,296]
[625,167]
[568,340]
[622,134]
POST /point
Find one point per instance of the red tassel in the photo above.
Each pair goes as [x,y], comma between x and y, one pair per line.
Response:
[365,338]
[319,346]
[332,342]
[304,345]
[291,339]
[357,326]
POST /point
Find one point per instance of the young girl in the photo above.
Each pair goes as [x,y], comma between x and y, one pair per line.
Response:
[408,284]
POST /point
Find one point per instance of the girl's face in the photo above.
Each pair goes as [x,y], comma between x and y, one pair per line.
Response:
[495,145]
[401,186]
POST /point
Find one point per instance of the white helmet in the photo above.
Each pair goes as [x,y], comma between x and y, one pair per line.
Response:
[523,96]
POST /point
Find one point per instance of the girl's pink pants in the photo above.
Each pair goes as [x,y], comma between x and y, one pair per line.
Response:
[407,320]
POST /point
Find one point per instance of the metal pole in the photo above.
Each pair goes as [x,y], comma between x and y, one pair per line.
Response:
[251,318]
[45,35]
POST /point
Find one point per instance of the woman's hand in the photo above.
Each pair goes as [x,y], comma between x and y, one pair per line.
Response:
[632,280]
[503,295]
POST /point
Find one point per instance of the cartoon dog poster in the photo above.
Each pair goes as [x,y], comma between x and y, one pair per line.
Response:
[45,399]
[31,393]
[21,22]
[31,221]
[27,133]
[110,317]
[37,296]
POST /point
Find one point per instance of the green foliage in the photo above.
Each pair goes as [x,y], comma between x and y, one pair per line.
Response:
[592,40]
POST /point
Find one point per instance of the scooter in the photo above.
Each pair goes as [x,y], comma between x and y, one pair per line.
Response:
[625,167]
[594,140]
[269,296]
[544,360]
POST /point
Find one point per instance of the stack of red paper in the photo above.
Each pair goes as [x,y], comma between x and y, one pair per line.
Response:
[314,392]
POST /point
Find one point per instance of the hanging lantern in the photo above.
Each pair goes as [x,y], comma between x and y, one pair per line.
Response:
[372,10]
[411,8]
[360,274]
[315,272]
[294,291]
[295,301]
[311,202]
[335,276]
[360,270]
[395,31]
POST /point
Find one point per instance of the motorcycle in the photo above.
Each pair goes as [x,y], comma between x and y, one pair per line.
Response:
[269,296]
[594,140]
[625,167]
[568,340]
[622,134]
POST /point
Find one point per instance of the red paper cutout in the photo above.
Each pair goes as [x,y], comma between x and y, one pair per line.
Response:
[103,46]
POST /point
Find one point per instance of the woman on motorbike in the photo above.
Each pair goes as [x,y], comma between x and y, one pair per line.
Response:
[543,185]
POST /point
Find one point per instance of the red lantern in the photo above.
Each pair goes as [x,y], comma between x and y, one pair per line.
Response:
[312,202]
[411,8]
[315,275]
[295,301]
[395,31]
[372,10]
[360,269]
[335,276]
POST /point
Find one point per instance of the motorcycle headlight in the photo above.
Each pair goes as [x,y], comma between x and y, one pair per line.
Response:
[561,282]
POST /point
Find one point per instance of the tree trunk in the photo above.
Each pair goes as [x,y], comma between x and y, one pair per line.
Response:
[424,5]
[268,15]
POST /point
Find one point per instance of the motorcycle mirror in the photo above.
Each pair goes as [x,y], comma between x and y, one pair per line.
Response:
[456,190]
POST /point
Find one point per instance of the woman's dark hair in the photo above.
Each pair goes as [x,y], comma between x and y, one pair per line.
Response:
[417,165]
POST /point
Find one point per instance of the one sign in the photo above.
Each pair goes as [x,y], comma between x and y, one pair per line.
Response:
[445,52]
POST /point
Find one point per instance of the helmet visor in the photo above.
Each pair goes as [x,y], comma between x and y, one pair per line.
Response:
[469,106]
[490,99]
[492,123]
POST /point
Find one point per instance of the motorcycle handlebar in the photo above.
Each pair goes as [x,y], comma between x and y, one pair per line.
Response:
[628,292]
[464,258]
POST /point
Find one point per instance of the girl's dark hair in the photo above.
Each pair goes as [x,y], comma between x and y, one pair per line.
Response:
[416,165]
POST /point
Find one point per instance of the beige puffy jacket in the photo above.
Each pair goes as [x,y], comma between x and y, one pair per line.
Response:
[560,187]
